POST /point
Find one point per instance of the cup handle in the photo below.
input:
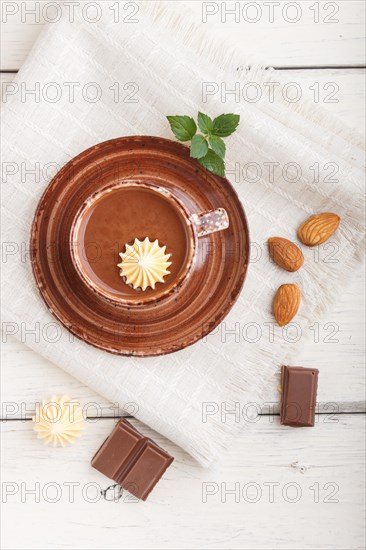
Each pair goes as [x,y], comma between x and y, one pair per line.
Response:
[210,221]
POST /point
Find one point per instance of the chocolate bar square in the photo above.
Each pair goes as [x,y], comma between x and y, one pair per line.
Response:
[298,401]
[132,460]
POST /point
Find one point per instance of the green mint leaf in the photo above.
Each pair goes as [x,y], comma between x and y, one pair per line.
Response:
[225,125]
[205,123]
[218,145]
[183,127]
[199,147]
[212,162]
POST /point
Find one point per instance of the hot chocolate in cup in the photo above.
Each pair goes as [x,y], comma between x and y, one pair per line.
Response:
[122,212]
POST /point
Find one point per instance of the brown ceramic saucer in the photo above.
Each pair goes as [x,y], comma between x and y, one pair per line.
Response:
[164,323]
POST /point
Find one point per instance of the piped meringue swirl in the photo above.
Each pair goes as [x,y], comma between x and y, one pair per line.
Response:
[144,263]
[58,421]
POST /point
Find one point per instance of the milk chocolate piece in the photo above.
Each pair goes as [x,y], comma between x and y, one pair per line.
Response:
[299,387]
[133,461]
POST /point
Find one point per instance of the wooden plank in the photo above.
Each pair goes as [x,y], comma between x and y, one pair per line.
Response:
[296,34]
[341,91]
[341,364]
[339,356]
[315,473]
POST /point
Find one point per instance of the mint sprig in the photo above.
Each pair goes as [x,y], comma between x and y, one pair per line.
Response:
[205,123]
[183,127]
[208,148]
[217,145]
[199,146]
[225,125]
[213,163]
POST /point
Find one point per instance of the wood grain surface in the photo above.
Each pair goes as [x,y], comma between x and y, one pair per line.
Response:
[279,488]
[326,462]
[288,34]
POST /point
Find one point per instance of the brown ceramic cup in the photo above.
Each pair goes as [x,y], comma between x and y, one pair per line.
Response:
[121,212]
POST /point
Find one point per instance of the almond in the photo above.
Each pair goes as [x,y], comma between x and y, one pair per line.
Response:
[286,304]
[285,253]
[317,229]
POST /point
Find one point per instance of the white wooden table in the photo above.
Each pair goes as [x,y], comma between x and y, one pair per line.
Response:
[278,487]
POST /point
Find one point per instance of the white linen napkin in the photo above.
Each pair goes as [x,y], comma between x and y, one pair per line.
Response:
[93,81]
